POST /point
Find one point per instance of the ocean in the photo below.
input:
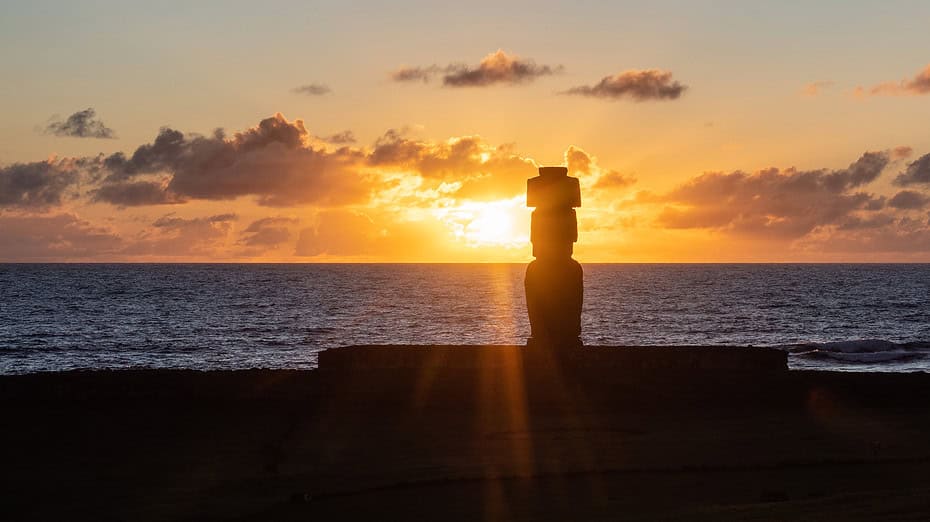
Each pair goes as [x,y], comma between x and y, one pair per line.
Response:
[851,317]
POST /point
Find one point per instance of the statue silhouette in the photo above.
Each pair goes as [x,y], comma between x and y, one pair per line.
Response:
[554,282]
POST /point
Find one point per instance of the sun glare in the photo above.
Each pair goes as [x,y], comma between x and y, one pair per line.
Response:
[492,223]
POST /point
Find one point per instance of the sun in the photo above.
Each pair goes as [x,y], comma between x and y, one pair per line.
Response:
[501,223]
[492,225]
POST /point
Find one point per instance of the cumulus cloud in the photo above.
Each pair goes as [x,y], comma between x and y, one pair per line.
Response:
[774,203]
[479,169]
[39,184]
[917,172]
[496,68]
[267,232]
[637,85]
[81,124]
[272,161]
[916,86]
[54,238]
[313,89]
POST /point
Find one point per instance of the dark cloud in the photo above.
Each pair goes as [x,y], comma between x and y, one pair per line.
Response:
[135,193]
[81,124]
[917,172]
[272,162]
[60,237]
[774,203]
[165,153]
[909,200]
[267,232]
[866,223]
[39,184]
[313,89]
[637,85]
[495,68]
[916,86]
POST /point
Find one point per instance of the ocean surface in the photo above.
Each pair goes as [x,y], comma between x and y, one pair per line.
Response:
[828,317]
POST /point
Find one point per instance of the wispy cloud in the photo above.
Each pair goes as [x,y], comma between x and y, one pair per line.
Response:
[916,86]
[313,89]
[496,68]
[637,85]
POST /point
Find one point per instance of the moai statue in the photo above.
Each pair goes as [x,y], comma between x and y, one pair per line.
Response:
[554,281]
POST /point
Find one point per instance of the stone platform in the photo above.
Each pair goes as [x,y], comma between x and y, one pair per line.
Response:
[714,359]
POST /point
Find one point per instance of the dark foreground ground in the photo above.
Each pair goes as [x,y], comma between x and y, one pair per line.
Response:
[509,438]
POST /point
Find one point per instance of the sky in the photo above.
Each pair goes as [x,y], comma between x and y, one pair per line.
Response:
[716,131]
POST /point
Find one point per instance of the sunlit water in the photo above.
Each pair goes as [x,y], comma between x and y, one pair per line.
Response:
[58,317]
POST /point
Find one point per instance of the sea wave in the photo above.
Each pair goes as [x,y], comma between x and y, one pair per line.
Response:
[862,351]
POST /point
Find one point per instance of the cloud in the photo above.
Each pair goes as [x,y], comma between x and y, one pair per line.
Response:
[496,68]
[578,161]
[272,161]
[901,152]
[583,165]
[338,233]
[638,85]
[480,170]
[916,86]
[267,232]
[81,124]
[278,163]
[341,138]
[774,203]
[171,235]
[613,179]
[415,74]
[135,193]
[348,233]
[58,237]
[909,200]
[814,88]
[313,89]
[39,184]
[917,172]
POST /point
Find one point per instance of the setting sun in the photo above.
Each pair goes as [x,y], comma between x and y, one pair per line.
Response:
[502,223]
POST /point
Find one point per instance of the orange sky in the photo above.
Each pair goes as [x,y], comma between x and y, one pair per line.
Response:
[418,149]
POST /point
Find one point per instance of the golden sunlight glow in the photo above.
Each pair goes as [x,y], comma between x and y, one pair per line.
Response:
[503,223]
